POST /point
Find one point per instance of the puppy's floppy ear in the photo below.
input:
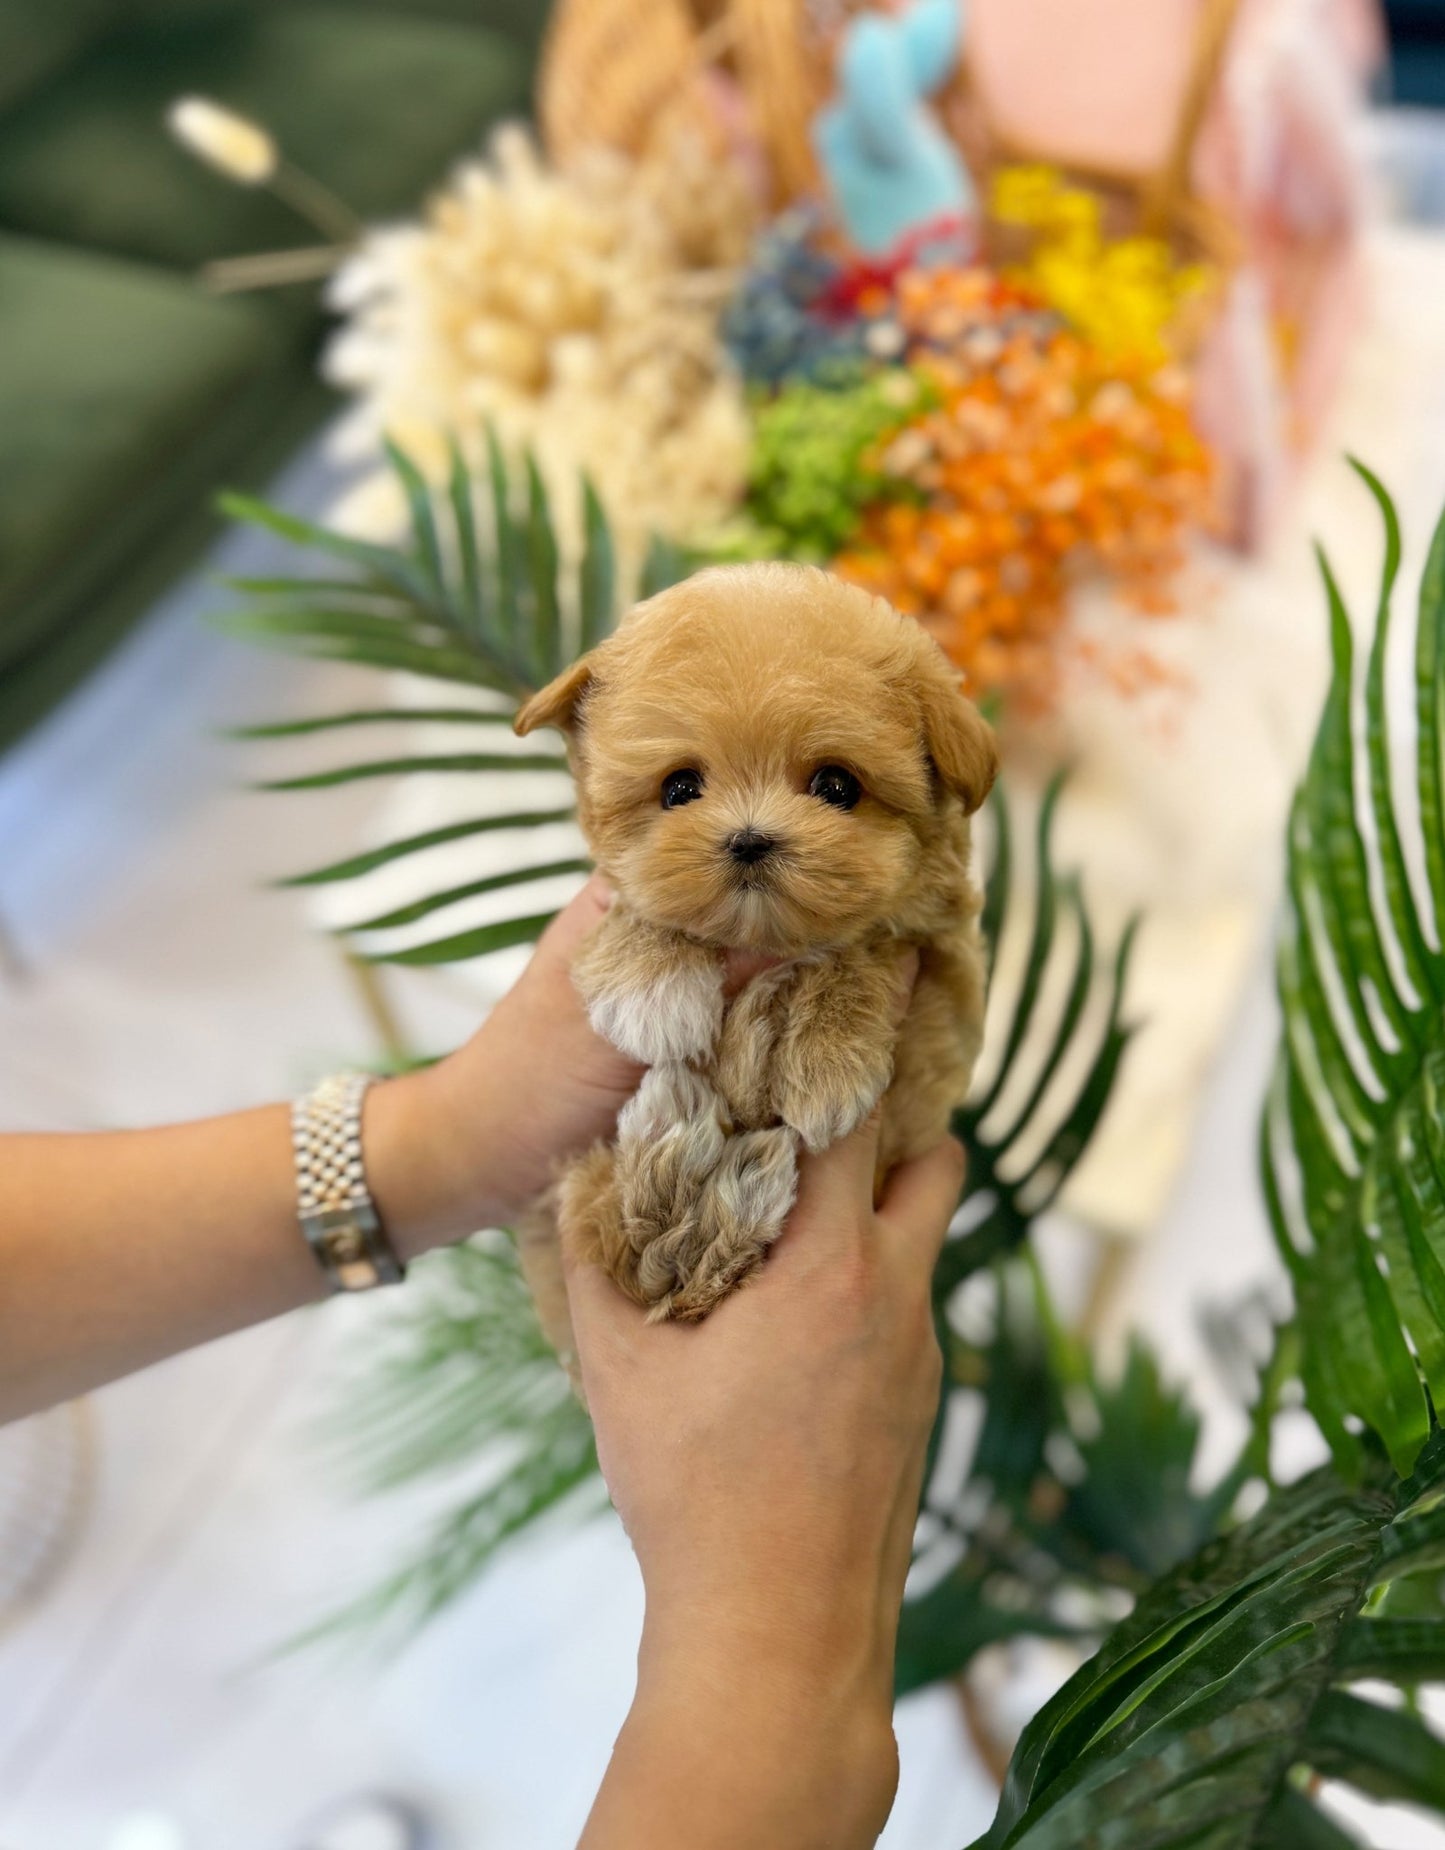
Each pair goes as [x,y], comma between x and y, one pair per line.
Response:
[960,740]
[556,703]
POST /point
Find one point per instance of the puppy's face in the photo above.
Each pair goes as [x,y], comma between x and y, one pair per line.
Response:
[764,757]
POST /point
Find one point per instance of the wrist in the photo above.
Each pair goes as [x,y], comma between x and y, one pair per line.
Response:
[831,1683]
[810,1736]
[423,1162]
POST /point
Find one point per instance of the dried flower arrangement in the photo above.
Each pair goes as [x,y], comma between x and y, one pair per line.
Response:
[576,313]
[966,442]
[1015,455]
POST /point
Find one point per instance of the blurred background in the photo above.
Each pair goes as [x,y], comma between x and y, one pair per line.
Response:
[248,295]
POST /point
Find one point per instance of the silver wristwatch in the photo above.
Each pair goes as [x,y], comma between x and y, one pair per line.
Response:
[333,1203]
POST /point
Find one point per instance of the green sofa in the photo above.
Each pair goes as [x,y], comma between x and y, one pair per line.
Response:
[127,393]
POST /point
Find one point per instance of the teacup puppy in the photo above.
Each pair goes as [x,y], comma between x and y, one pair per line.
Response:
[767,760]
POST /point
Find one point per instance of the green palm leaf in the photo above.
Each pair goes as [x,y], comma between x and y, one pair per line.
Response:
[433,763]
[366,862]
[459,1383]
[1030,1381]
[490,883]
[372,716]
[481,941]
[1007,1191]
[1201,1720]
[476,596]
[1352,1150]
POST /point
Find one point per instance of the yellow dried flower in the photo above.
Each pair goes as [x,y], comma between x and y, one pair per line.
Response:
[1124,295]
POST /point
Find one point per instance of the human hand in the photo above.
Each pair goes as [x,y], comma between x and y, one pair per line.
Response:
[470,1142]
[767,1465]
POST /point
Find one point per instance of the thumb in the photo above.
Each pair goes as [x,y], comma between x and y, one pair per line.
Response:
[838,1182]
[575,923]
[920,1199]
[600,1314]
[835,1186]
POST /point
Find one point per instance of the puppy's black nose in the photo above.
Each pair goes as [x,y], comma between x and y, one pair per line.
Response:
[750,846]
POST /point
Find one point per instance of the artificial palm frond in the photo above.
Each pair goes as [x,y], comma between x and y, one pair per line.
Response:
[1211,1715]
[1020,1157]
[464,1373]
[1076,1495]
[992,1564]
[459,1385]
[1213,1710]
[477,597]
[1353,1150]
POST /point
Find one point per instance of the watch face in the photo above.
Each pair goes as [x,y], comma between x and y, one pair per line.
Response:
[344,1246]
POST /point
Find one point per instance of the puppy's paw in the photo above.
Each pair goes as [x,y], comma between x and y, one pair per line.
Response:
[825,1091]
[674,1099]
[736,1217]
[670,1138]
[743,1067]
[655,1000]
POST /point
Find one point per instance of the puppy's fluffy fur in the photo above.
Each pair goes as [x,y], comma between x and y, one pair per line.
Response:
[755,678]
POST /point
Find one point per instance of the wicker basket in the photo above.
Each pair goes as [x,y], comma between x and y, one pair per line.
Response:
[619,72]
[616,73]
[609,67]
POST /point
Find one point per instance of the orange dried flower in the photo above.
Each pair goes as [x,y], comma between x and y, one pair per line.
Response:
[1041,462]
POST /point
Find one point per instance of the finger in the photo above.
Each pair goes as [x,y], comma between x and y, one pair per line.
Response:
[920,1199]
[740,967]
[577,920]
[548,1011]
[835,1187]
[601,1315]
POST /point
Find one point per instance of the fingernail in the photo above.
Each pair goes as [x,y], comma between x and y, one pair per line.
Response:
[599,889]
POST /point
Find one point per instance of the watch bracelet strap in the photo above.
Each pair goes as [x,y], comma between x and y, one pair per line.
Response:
[333,1203]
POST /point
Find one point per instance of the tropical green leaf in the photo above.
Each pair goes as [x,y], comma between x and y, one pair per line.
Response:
[1078,1488]
[490,883]
[371,716]
[1352,1148]
[1198,1720]
[598,594]
[357,864]
[1045,906]
[1017,1167]
[459,1382]
[355,592]
[665,565]
[469,559]
[548,654]
[481,941]
[378,565]
[1026,1540]
[437,762]
[369,641]
[507,548]
[426,541]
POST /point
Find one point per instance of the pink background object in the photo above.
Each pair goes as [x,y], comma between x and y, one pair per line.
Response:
[1277,154]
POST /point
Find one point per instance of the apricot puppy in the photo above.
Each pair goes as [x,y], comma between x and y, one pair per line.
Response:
[770,760]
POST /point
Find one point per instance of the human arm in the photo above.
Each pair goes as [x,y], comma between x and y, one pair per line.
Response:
[767,1466]
[119,1248]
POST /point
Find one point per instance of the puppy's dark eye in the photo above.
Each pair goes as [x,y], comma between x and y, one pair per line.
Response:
[680,787]
[836,786]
